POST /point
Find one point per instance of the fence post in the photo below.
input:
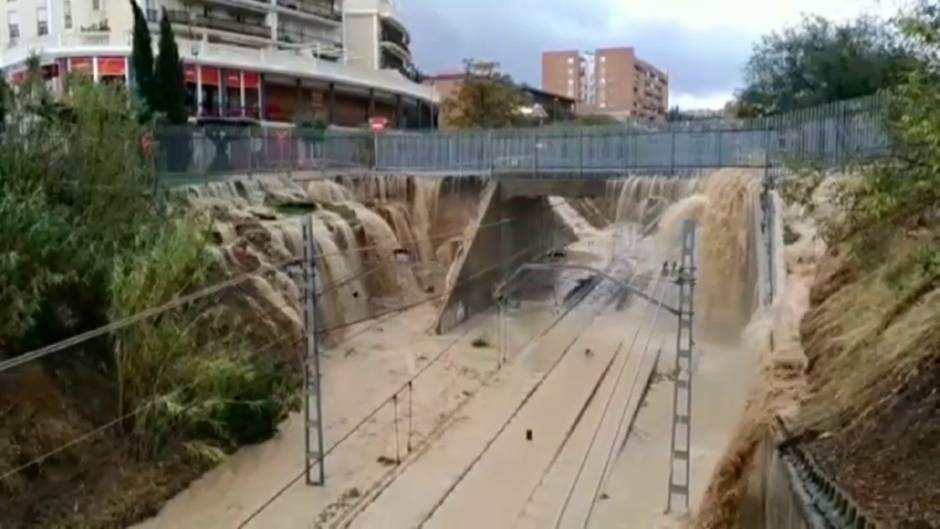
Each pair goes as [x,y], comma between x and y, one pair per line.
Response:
[580,153]
[719,149]
[672,156]
[535,157]
[626,151]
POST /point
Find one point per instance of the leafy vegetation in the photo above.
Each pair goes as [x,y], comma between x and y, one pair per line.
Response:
[87,239]
[874,319]
[142,63]
[485,98]
[160,86]
[820,61]
[169,78]
[73,192]
[192,371]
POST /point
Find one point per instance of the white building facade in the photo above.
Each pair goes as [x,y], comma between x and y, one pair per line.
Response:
[273,60]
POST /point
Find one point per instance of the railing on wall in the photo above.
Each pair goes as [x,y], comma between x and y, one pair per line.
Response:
[829,135]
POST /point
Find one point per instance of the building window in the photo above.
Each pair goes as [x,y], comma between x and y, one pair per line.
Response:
[96,5]
[13,25]
[570,60]
[42,21]
[67,13]
[150,9]
[603,59]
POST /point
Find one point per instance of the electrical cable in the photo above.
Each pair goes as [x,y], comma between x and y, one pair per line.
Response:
[291,482]
[535,387]
[123,417]
[146,314]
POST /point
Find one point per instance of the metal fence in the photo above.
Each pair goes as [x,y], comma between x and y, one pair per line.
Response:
[825,135]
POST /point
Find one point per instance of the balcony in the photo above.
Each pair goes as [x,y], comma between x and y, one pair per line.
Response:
[393,61]
[318,8]
[316,44]
[254,28]
[393,35]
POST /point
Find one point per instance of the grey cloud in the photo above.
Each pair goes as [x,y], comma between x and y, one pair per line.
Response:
[514,32]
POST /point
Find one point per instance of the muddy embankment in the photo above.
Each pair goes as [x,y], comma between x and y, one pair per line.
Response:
[382,242]
[850,366]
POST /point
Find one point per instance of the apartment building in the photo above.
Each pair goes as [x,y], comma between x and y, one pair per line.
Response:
[376,38]
[273,60]
[611,81]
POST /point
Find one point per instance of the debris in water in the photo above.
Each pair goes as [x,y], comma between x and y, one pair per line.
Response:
[480,341]
[386,461]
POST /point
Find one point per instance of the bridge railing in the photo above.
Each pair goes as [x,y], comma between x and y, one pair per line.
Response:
[828,135]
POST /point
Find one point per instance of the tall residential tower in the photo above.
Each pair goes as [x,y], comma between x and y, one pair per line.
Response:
[611,81]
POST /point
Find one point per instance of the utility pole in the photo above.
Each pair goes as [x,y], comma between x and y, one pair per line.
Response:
[313,405]
[680,445]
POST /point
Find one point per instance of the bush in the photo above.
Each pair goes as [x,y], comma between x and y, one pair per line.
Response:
[190,368]
[73,192]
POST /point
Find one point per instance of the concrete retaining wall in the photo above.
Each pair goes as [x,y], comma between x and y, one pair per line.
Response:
[509,231]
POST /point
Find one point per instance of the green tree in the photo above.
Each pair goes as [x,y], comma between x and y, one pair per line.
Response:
[142,62]
[170,80]
[485,98]
[819,61]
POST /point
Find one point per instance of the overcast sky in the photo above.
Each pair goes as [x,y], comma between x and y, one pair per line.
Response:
[703,44]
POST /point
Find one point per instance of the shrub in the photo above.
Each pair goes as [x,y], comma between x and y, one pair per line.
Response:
[190,369]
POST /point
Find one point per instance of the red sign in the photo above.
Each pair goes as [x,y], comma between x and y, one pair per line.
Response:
[111,66]
[378,123]
[252,80]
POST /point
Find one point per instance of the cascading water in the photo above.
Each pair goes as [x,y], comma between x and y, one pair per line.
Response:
[642,198]
[724,210]
[328,191]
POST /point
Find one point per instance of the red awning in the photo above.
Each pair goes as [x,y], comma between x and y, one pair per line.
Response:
[252,80]
[210,76]
[189,72]
[111,66]
[233,78]
[81,65]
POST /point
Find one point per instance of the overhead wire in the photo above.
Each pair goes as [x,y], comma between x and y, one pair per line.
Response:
[146,314]
[125,416]
[349,433]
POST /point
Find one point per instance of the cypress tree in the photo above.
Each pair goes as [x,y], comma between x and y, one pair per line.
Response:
[142,61]
[170,81]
